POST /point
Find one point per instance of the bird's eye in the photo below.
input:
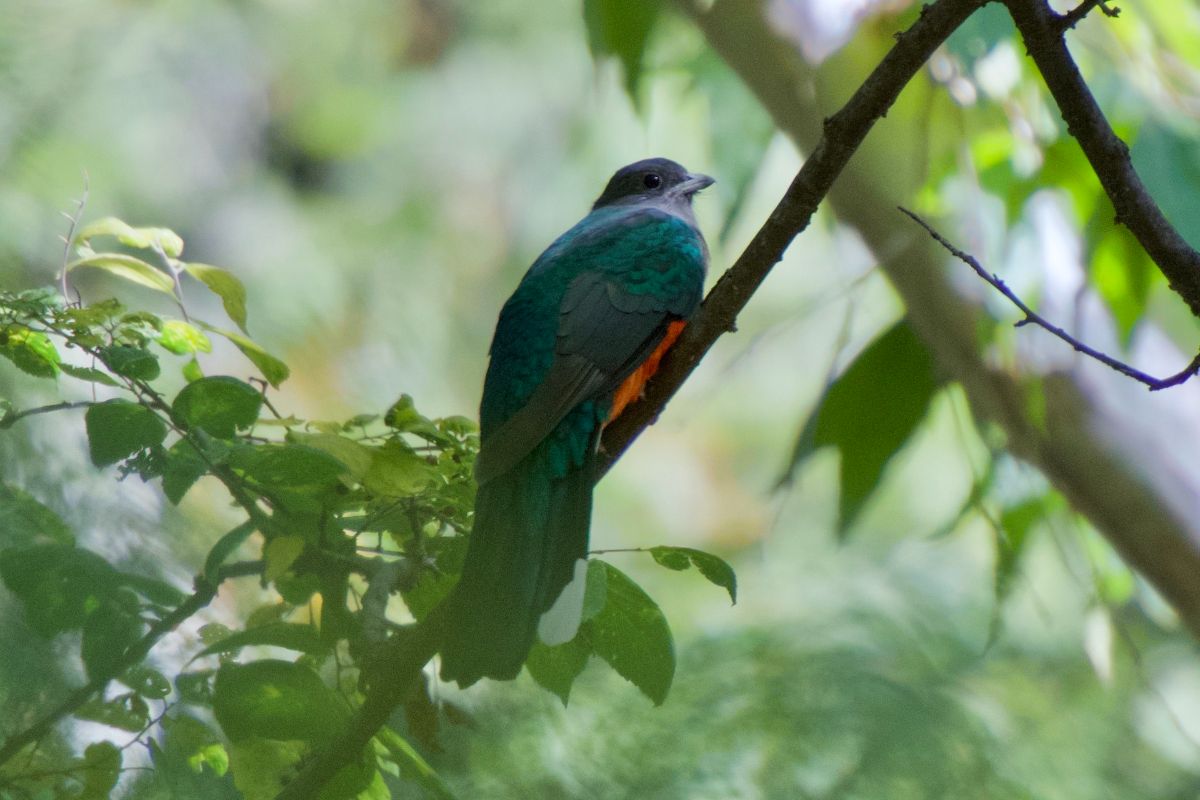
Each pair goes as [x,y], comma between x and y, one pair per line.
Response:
[652,181]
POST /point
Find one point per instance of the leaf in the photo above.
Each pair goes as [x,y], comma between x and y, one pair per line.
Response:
[868,413]
[191,371]
[118,428]
[262,767]
[196,743]
[182,469]
[556,668]
[58,585]
[218,405]
[182,338]
[290,465]
[273,699]
[621,28]
[88,374]
[156,591]
[717,570]
[279,554]
[225,547]
[397,471]
[274,370]
[24,521]
[129,268]
[288,635]
[144,238]
[107,634]
[32,352]
[132,362]
[100,770]
[412,766]
[127,712]
[357,457]
[632,635]
[147,682]
[225,285]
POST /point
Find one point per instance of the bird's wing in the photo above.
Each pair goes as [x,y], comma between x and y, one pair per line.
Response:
[607,326]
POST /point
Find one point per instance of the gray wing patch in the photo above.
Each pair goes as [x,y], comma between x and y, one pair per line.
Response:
[604,332]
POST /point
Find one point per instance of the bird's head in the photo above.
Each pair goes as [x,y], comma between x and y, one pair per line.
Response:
[653,180]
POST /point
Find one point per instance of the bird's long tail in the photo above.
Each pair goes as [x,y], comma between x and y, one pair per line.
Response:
[531,525]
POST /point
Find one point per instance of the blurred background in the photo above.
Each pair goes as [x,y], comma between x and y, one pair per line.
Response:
[380,173]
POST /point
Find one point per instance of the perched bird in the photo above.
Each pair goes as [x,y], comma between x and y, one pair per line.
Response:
[574,345]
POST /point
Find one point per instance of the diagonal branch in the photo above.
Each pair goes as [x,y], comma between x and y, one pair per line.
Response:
[1042,29]
[1035,318]
[843,134]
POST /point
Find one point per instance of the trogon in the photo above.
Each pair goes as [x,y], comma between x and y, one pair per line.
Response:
[574,345]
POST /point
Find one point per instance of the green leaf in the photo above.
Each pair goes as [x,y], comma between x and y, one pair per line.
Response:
[88,374]
[143,238]
[273,699]
[182,338]
[225,547]
[288,635]
[182,469]
[279,555]
[412,766]
[290,465]
[129,268]
[147,682]
[262,767]
[556,668]
[25,521]
[195,687]
[191,371]
[717,570]
[132,362]
[632,635]
[99,771]
[397,471]
[32,352]
[621,28]
[869,413]
[58,585]
[357,457]
[156,591]
[274,370]
[118,429]
[107,633]
[225,285]
[218,405]
[127,712]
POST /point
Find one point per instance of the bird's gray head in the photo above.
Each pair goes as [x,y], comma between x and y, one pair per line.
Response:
[653,181]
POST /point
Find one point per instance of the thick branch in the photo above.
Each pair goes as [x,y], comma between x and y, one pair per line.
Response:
[1042,30]
[844,132]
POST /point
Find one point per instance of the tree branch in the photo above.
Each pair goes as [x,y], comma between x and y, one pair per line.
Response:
[1042,30]
[1073,17]
[1033,317]
[843,133]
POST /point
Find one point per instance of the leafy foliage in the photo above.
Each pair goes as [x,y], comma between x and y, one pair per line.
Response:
[315,493]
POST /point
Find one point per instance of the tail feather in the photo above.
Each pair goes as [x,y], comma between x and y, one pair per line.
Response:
[530,528]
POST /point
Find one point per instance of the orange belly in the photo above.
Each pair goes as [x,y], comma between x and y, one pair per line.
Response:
[631,389]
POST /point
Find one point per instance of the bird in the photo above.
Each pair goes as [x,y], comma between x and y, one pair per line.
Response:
[573,347]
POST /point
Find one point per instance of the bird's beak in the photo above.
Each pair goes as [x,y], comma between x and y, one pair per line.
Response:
[694,183]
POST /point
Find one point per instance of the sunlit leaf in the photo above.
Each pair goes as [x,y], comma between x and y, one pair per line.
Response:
[262,767]
[143,238]
[225,285]
[396,471]
[218,405]
[358,458]
[129,268]
[291,465]
[182,338]
[274,370]
[118,429]
[32,352]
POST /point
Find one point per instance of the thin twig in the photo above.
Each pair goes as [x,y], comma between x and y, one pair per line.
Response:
[1033,317]
[67,241]
[1072,17]
[13,417]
